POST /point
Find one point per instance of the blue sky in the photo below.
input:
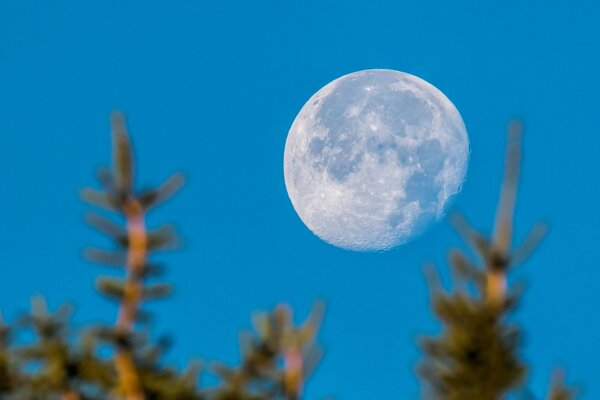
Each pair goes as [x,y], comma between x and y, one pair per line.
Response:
[211,88]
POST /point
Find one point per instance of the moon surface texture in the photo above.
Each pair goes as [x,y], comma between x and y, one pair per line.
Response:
[373,158]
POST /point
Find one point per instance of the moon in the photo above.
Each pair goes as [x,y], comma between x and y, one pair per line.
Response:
[373,158]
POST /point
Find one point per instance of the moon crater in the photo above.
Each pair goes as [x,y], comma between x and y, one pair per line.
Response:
[373,158]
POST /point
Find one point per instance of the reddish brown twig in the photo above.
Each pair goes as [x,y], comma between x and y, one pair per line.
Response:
[129,307]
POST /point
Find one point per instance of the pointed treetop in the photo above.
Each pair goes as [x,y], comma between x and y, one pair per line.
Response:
[122,154]
[506,206]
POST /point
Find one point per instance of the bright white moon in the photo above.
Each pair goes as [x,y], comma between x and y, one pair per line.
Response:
[372,159]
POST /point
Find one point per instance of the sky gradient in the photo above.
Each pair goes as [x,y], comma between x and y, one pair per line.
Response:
[211,89]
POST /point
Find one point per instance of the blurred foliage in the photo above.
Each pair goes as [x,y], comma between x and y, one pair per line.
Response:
[475,357]
[121,361]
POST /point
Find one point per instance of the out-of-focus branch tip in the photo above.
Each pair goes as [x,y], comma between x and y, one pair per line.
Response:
[151,198]
[100,199]
[433,280]
[559,389]
[106,226]
[470,235]
[506,206]
[530,243]
[464,268]
[122,153]
[115,259]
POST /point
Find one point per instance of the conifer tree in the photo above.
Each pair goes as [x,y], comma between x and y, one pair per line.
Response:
[67,365]
[476,357]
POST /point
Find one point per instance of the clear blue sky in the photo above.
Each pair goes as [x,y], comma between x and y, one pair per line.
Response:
[211,88]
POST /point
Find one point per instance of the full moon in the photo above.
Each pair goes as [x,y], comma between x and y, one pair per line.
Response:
[373,158]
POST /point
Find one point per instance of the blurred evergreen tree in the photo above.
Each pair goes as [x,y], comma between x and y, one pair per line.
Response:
[476,357]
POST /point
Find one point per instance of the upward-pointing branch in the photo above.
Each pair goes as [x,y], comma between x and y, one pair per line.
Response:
[498,259]
[136,257]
